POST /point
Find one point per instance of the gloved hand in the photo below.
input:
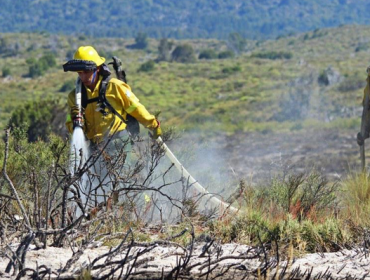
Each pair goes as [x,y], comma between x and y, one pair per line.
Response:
[77,116]
[156,132]
[74,111]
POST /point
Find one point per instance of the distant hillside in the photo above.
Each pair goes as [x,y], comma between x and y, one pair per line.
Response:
[254,19]
[314,78]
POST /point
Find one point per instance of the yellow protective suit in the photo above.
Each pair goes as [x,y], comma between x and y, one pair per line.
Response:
[120,96]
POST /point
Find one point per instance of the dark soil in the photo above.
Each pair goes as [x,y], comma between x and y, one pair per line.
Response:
[258,157]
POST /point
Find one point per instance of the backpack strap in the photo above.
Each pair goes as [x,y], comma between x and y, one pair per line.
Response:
[84,100]
[103,100]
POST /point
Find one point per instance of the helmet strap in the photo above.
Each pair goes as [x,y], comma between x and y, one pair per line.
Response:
[94,76]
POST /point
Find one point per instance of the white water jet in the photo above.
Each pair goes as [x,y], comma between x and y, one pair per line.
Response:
[79,154]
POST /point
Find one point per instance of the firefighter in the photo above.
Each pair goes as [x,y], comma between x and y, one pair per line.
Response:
[107,109]
[104,118]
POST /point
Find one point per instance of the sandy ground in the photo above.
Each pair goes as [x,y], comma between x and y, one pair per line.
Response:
[238,258]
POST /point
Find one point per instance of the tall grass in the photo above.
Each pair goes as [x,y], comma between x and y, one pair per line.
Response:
[356,199]
[304,210]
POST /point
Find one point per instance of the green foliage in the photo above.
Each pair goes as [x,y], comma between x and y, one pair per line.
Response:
[273,55]
[37,67]
[352,83]
[226,54]
[237,42]
[147,66]
[200,19]
[232,69]
[34,168]
[268,95]
[207,54]
[184,53]
[317,33]
[141,41]
[356,198]
[67,86]
[7,48]
[38,118]
[6,71]
[323,78]
[303,196]
[164,50]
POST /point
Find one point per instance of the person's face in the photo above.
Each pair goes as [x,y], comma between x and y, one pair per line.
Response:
[88,78]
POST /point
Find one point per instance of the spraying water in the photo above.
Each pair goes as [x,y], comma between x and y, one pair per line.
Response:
[79,152]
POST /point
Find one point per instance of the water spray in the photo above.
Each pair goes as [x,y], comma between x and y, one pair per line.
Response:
[79,147]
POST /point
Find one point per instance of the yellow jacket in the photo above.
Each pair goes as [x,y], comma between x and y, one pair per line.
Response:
[120,96]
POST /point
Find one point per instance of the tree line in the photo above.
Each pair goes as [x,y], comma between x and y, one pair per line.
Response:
[180,19]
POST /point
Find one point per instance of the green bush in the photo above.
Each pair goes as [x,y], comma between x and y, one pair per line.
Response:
[226,54]
[141,41]
[208,54]
[237,42]
[273,55]
[6,71]
[37,67]
[232,69]
[147,66]
[39,118]
[164,50]
[184,53]
[352,83]
[67,86]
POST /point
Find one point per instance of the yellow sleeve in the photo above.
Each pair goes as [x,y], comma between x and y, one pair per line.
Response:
[132,106]
[71,103]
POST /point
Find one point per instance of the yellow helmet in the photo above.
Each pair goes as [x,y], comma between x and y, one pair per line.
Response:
[90,54]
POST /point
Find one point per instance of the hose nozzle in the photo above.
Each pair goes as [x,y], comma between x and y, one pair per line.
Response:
[78,120]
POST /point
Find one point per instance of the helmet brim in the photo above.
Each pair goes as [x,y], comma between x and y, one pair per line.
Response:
[77,65]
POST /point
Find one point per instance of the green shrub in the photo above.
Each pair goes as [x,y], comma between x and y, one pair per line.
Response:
[237,42]
[141,41]
[273,55]
[232,69]
[208,54]
[164,50]
[6,71]
[303,196]
[226,54]
[39,118]
[67,86]
[147,66]
[37,67]
[352,83]
[184,53]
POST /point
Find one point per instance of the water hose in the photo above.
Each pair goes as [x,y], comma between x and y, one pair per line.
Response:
[214,200]
[78,119]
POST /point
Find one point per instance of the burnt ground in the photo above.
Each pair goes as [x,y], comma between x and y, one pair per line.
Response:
[333,153]
[258,157]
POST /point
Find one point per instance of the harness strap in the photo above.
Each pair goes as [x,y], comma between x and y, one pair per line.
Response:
[103,99]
